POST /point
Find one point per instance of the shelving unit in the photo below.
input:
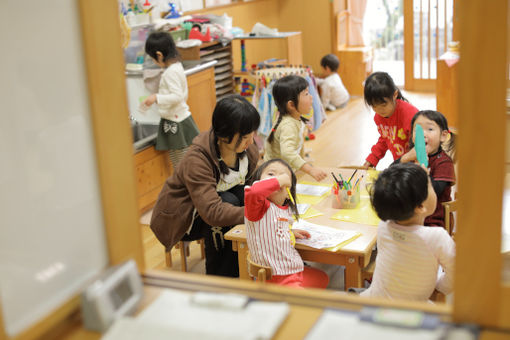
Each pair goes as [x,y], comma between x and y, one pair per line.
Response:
[223,70]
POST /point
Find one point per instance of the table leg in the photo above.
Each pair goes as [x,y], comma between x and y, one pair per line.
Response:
[242,250]
[352,273]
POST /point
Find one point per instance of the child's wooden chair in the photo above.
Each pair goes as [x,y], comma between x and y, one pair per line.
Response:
[368,272]
[261,273]
[183,246]
[449,208]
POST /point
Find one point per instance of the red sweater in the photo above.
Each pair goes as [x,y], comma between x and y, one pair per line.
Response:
[394,132]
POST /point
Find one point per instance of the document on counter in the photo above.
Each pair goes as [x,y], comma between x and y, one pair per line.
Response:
[323,237]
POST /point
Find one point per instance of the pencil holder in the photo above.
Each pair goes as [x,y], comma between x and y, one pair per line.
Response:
[346,199]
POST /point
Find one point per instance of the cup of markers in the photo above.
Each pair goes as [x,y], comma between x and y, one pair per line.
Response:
[347,194]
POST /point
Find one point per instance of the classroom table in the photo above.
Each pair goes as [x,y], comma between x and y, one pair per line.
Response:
[354,256]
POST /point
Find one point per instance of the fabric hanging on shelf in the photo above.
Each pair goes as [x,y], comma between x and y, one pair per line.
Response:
[263,99]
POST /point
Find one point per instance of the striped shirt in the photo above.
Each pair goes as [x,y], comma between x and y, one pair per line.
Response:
[408,260]
[268,230]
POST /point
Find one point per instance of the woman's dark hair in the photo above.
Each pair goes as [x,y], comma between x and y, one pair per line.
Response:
[442,122]
[379,88]
[258,173]
[398,191]
[331,61]
[161,42]
[285,89]
[233,114]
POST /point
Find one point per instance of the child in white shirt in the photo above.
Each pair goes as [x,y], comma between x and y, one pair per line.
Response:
[334,95]
[177,127]
[409,253]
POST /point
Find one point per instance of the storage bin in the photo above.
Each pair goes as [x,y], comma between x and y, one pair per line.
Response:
[178,35]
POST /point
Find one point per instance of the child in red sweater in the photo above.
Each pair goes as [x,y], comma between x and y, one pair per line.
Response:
[393,116]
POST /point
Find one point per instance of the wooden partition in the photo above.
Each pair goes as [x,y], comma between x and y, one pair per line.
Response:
[479,295]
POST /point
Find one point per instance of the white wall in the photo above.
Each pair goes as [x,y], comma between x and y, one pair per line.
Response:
[51,238]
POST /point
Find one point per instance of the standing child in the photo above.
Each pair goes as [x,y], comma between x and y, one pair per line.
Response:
[409,254]
[334,95]
[286,139]
[393,116]
[176,127]
[268,219]
[442,171]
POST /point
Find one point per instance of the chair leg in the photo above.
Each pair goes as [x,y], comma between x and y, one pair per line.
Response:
[202,248]
[168,258]
[182,248]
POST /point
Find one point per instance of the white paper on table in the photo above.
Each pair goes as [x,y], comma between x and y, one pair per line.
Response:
[311,190]
[322,236]
[181,315]
[302,208]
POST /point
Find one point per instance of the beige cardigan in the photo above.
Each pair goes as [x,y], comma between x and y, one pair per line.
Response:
[287,143]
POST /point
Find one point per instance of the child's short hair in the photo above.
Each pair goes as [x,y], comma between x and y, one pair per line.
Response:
[399,190]
[161,42]
[331,61]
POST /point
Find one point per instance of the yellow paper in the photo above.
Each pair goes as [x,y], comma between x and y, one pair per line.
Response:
[363,214]
[343,244]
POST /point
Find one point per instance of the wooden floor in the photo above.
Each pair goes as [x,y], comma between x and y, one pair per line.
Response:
[345,138]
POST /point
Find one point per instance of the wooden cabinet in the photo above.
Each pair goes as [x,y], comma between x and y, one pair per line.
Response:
[202,97]
[223,76]
[355,67]
[446,92]
[152,168]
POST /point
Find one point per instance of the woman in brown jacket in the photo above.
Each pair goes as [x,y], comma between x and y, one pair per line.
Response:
[205,195]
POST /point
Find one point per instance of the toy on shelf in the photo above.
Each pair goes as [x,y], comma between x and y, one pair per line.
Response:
[195,34]
[247,88]
[243,56]
[173,13]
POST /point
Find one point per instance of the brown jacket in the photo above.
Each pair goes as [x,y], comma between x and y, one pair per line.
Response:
[193,186]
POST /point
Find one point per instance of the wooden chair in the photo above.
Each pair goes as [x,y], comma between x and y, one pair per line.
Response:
[261,273]
[449,208]
[183,246]
[368,272]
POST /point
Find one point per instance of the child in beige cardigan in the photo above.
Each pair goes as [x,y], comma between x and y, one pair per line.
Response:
[286,139]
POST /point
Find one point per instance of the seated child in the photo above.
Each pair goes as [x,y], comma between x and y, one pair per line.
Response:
[409,254]
[334,95]
[268,219]
[442,171]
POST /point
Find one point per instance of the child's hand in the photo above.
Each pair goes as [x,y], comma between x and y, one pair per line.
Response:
[284,180]
[367,164]
[300,234]
[318,174]
[150,100]
[408,157]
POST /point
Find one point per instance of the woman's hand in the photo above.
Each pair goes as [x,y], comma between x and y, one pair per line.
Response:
[300,234]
